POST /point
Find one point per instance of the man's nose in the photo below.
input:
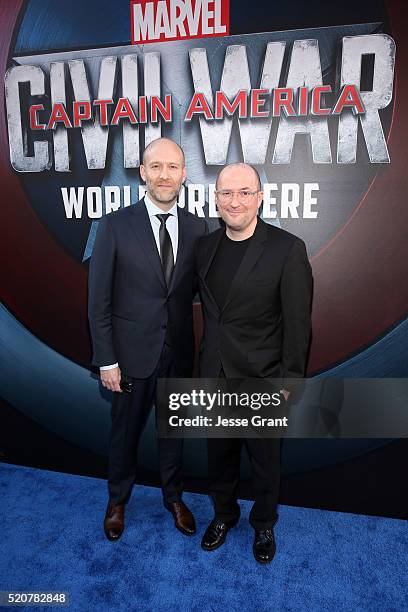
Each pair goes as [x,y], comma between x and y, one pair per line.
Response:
[235,198]
[164,172]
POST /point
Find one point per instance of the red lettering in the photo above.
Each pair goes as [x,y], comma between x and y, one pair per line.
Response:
[349,97]
[142,109]
[103,110]
[316,100]
[81,111]
[58,115]
[123,110]
[283,99]
[302,101]
[257,103]
[34,125]
[197,106]
[156,105]
[222,103]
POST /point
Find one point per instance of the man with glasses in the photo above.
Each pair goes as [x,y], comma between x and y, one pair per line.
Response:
[255,286]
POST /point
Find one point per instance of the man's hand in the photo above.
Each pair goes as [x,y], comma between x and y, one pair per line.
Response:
[285,394]
[110,379]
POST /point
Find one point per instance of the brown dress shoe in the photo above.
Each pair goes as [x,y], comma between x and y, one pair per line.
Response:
[183,518]
[114,522]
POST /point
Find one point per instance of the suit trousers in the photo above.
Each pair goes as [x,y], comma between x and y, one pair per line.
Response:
[224,462]
[224,459]
[128,419]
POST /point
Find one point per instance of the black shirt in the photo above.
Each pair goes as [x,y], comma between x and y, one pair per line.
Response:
[224,266]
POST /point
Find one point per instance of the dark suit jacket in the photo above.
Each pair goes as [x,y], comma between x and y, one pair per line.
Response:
[129,303]
[264,327]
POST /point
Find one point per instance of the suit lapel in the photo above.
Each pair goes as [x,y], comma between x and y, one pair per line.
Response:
[142,227]
[212,249]
[253,253]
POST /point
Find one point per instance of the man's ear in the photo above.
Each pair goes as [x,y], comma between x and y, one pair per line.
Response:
[260,198]
[142,172]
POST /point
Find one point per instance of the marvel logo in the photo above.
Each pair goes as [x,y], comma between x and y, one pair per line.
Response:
[158,20]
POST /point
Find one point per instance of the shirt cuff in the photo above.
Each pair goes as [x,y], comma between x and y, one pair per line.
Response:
[109,367]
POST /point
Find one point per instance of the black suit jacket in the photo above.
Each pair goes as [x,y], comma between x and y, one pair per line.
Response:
[130,305]
[264,327]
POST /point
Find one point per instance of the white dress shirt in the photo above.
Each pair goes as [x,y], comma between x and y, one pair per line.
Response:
[172,228]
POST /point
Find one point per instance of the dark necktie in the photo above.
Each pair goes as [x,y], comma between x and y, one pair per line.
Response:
[166,249]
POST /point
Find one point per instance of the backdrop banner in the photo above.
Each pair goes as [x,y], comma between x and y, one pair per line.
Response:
[315,103]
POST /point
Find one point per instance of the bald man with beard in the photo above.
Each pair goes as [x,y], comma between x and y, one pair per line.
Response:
[141,288]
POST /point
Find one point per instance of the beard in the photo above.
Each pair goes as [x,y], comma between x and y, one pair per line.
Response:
[164,195]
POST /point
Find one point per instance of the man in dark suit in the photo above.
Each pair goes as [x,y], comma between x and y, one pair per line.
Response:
[255,284]
[141,288]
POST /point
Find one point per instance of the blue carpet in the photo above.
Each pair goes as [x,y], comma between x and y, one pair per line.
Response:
[52,539]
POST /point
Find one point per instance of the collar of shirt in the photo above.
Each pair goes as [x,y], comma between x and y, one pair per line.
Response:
[171,225]
[154,210]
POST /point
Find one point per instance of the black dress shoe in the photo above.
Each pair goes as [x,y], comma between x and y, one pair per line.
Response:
[215,534]
[264,545]
[183,517]
[114,522]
